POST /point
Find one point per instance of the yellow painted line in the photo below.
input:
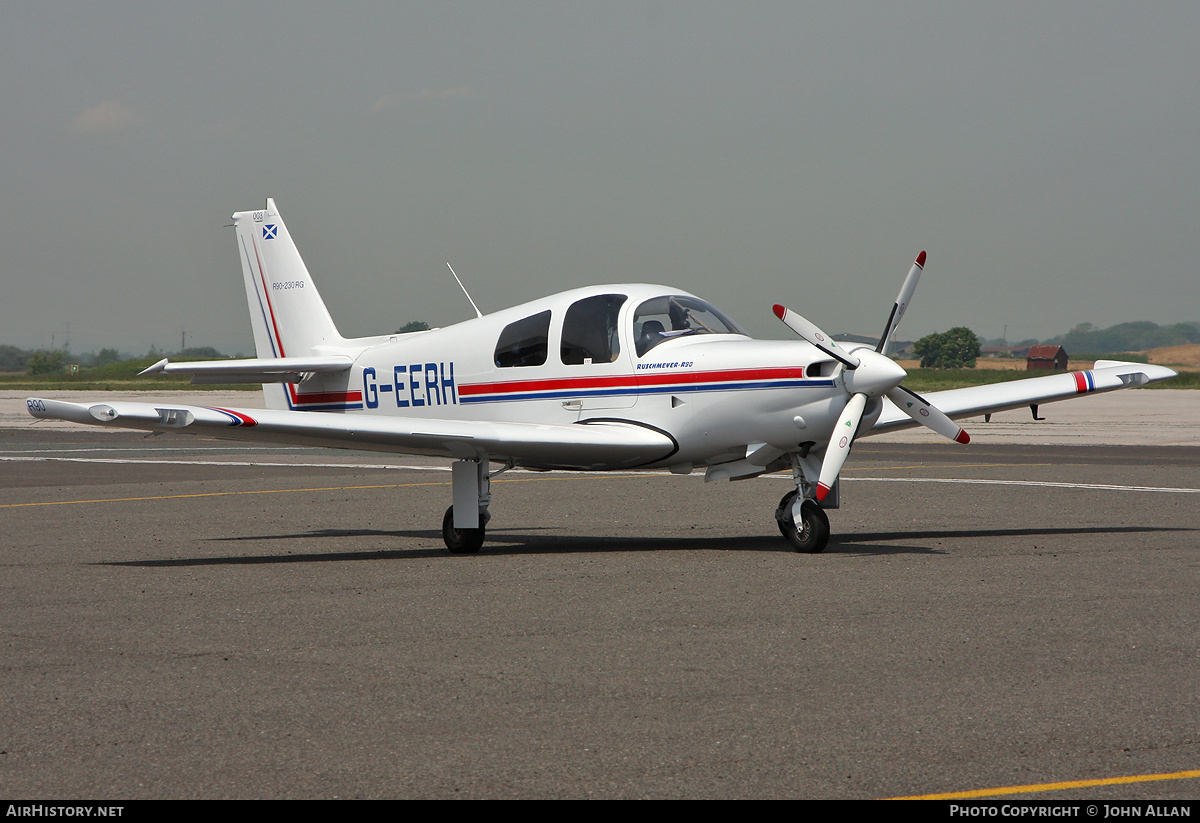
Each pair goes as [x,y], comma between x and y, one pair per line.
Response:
[289,491]
[1055,787]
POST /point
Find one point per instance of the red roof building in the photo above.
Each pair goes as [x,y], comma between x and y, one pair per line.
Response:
[1046,357]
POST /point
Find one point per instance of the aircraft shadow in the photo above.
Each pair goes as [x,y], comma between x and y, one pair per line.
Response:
[521,541]
[850,542]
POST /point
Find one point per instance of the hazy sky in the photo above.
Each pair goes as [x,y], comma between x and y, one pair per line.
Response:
[1046,155]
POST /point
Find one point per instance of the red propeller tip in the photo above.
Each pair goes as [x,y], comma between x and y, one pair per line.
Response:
[822,491]
[921,259]
[779,310]
[962,437]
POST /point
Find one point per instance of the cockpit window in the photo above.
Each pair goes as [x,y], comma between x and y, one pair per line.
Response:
[525,342]
[589,332]
[665,318]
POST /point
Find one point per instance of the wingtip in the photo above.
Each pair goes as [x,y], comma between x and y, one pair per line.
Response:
[156,368]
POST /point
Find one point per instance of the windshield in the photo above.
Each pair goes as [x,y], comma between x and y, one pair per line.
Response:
[663,318]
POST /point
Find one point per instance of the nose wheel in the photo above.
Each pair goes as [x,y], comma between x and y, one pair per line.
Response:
[808,534]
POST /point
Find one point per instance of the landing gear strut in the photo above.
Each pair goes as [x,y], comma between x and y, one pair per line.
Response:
[463,525]
[801,520]
[809,530]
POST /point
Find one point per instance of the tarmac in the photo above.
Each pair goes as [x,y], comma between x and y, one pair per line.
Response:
[189,618]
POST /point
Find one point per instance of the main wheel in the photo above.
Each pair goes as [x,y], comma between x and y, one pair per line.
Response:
[811,534]
[460,541]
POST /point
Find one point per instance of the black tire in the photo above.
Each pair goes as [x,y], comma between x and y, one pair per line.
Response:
[460,541]
[783,512]
[811,535]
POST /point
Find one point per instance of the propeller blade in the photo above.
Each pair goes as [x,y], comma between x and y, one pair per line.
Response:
[920,409]
[902,301]
[839,444]
[813,335]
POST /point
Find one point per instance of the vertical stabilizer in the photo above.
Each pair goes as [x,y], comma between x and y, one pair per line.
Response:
[286,310]
[287,313]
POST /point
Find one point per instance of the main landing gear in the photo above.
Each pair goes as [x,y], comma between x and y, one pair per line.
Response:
[465,521]
[461,541]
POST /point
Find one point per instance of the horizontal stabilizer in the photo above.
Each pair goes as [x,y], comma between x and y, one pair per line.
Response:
[256,370]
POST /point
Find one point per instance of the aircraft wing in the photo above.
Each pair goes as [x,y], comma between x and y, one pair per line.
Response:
[600,445]
[1107,375]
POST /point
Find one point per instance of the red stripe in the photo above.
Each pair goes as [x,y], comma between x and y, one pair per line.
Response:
[630,380]
[246,419]
[1080,382]
[325,397]
[267,296]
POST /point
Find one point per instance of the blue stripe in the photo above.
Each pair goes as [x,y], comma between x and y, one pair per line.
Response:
[235,420]
[330,407]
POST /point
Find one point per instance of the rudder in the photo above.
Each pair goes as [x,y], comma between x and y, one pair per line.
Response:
[287,313]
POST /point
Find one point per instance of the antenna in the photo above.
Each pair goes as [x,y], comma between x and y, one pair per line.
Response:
[478,313]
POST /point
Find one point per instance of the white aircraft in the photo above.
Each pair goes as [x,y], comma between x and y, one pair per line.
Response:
[616,377]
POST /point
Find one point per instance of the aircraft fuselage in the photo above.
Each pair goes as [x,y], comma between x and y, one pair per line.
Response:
[712,393]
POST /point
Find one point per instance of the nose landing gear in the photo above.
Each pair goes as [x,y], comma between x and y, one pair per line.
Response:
[807,529]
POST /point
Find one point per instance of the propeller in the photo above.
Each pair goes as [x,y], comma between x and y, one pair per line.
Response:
[921,410]
[870,374]
[902,300]
[813,335]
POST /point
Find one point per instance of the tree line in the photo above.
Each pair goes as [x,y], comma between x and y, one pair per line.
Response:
[56,361]
[959,347]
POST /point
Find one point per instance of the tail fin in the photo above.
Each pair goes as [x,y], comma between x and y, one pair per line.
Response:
[286,311]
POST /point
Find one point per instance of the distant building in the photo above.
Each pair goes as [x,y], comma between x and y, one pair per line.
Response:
[1046,357]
